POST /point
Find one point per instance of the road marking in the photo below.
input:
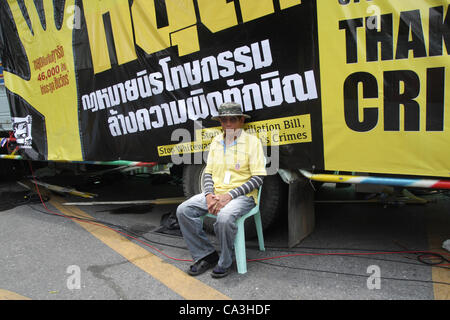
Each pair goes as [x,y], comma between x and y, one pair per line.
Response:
[437,234]
[172,277]
[9,295]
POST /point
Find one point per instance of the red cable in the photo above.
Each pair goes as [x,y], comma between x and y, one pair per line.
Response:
[97,224]
[345,253]
[248,260]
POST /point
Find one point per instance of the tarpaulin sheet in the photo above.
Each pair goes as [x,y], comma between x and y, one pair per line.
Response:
[330,85]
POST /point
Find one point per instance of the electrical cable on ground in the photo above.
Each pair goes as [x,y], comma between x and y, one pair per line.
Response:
[421,254]
[355,256]
[350,274]
[126,230]
[93,222]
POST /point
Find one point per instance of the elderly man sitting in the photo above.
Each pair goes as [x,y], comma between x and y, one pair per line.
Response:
[234,172]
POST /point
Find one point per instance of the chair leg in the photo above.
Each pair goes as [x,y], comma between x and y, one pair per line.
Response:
[239,249]
[259,231]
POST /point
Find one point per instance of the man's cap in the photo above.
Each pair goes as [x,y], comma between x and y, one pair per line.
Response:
[230,109]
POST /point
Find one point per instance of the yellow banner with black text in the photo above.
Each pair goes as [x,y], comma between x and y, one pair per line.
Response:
[384,77]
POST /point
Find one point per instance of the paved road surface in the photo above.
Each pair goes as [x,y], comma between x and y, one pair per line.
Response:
[44,256]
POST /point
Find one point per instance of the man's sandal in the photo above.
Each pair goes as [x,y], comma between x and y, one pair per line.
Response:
[199,267]
[219,272]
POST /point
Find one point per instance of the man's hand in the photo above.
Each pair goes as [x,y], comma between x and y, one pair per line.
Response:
[221,201]
[211,201]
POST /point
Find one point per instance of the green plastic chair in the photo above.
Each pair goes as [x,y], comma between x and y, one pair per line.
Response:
[239,242]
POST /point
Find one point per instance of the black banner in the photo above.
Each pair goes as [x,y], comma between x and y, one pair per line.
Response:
[268,65]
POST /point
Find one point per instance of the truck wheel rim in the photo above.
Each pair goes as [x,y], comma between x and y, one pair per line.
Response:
[201,180]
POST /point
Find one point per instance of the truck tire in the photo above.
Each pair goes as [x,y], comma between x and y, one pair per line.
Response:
[11,169]
[273,197]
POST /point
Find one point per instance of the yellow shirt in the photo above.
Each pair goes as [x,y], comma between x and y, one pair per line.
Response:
[233,165]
